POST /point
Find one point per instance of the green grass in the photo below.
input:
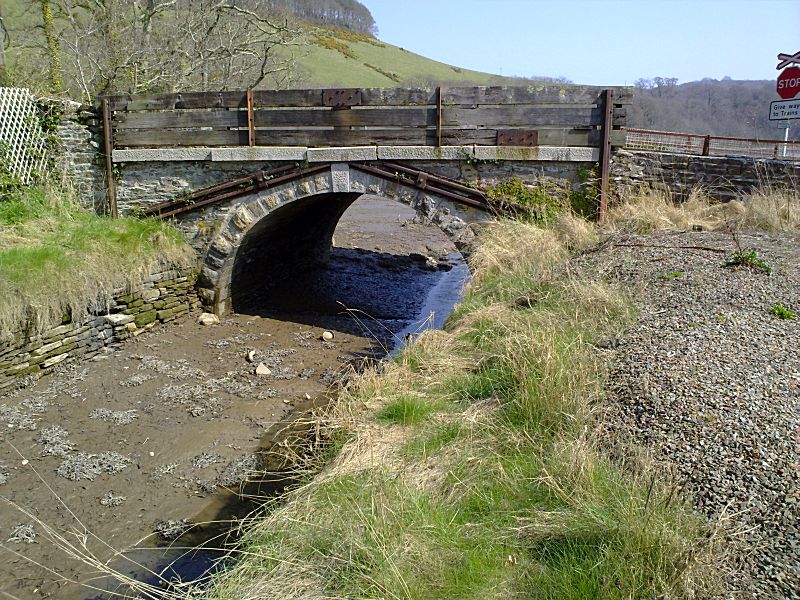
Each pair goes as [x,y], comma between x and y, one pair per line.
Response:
[783,312]
[406,411]
[57,259]
[508,490]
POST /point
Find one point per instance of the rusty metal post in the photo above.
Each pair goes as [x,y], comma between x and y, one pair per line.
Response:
[108,140]
[251,121]
[438,116]
[605,152]
[706,145]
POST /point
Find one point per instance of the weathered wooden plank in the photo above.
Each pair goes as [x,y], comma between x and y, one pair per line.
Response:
[521,116]
[218,119]
[533,94]
[188,100]
[530,94]
[143,138]
[496,117]
[158,138]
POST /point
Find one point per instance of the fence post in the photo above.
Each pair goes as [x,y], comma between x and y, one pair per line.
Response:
[706,145]
[605,152]
[108,140]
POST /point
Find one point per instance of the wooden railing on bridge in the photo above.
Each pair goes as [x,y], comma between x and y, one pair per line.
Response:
[502,116]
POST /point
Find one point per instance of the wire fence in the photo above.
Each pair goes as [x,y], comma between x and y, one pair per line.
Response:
[22,141]
[709,145]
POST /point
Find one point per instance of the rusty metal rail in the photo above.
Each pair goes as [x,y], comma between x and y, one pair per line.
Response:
[709,145]
[424,181]
[228,190]
[263,180]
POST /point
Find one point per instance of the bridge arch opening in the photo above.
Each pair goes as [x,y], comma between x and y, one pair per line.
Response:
[270,236]
[364,265]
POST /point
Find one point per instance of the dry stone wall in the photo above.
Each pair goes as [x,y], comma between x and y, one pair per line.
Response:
[722,177]
[164,296]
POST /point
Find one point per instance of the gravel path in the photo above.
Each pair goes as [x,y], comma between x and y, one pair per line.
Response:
[710,380]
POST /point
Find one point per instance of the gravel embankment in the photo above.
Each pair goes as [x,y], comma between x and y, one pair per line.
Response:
[710,380]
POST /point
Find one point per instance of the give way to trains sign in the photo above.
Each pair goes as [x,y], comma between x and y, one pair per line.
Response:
[788,87]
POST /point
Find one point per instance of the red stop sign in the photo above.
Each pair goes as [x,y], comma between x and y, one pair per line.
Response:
[789,83]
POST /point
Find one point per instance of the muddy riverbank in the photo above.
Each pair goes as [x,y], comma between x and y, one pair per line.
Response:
[154,437]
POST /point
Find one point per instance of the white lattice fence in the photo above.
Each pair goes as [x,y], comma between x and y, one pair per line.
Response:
[22,141]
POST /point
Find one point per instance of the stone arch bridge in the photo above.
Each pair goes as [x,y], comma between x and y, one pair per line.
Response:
[273,222]
[191,157]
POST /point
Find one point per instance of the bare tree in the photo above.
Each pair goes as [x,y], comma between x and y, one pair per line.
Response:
[140,46]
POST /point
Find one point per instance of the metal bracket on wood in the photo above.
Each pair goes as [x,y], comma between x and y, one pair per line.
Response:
[439,117]
[605,152]
[251,122]
[342,98]
[108,144]
[518,137]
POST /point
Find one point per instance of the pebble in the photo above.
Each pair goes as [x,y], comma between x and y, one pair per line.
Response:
[263,370]
[208,319]
[327,336]
[710,381]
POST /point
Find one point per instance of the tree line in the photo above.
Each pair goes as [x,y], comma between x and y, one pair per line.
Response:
[347,14]
[723,107]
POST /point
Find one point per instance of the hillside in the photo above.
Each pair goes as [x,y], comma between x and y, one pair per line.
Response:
[335,57]
[718,107]
[330,44]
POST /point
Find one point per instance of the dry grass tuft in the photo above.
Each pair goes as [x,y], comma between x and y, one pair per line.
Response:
[768,209]
[508,246]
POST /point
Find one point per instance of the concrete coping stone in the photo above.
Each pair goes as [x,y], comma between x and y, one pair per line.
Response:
[357,153]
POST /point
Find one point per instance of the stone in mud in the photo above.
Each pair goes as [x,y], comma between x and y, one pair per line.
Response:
[112,499]
[327,336]
[263,370]
[172,529]
[208,319]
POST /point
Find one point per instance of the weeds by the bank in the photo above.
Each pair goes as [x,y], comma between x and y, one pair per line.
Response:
[748,259]
[783,312]
[475,465]
[57,258]
[767,209]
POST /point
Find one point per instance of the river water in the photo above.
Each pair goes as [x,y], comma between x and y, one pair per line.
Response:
[112,458]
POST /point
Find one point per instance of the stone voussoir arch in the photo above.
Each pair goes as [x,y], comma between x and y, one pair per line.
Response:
[458,221]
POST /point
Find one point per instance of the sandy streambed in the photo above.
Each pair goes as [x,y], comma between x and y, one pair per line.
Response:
[155,437]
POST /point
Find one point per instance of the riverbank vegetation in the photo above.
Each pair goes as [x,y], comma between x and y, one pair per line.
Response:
[479,463]
[58,258]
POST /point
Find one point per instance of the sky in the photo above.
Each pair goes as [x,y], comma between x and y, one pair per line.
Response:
[597,42]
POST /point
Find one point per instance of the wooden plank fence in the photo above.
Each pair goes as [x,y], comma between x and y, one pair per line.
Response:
[540,115]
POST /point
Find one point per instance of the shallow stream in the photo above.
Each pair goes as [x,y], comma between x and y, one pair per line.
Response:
[157,435]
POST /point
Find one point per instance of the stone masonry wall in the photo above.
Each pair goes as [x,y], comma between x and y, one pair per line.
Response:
[163,297]
[79,153]
[722,177]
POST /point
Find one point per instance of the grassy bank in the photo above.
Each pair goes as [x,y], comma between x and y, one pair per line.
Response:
[57,258]
[477,463]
